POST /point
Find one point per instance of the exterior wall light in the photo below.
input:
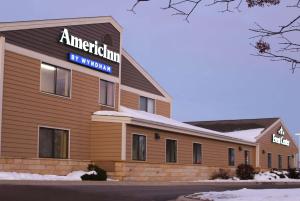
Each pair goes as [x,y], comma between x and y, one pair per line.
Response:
[157,136]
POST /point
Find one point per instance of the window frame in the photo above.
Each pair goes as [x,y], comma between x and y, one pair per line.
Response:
[58,128]
[228,157]
[146,147]
[193,156]
[114,94]
[280,162]
[289,162]
[249,155]
[271,164]
[147,98]
[176,150]
[55,81]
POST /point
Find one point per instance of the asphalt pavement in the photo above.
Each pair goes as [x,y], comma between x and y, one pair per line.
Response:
[117,191]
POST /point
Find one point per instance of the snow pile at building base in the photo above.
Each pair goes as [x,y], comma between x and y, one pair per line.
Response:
[272,176]
[73,176]
[250,195]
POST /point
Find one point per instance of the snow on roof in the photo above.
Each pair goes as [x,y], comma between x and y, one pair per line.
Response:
[126,112]
[248,135]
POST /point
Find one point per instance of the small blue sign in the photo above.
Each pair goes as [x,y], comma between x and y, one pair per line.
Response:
[75,58]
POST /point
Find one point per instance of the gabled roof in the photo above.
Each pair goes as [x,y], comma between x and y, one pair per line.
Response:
[146,74]
[235,125]
[34,24]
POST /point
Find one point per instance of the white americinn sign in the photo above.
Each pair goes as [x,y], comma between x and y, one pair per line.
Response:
[94,48]
[280,138]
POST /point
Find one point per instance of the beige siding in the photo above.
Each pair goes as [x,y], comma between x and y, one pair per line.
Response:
[163,108]
[129,99]
[215,153]
[106,141]
[267,146]
[25,108]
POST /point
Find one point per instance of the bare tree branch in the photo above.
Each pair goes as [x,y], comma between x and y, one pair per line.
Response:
[286,37]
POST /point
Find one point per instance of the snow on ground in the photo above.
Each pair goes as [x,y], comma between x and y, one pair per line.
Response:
[73,176]
[260,177]
[250,195]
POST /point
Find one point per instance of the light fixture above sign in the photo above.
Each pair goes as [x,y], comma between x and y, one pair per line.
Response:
[280,139]
[94,48]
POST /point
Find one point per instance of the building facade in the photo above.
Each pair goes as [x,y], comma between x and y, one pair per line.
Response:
[70,96]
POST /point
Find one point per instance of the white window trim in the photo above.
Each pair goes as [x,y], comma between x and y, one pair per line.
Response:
[52,94]
[177,148]
[193,153]
[51,127]
[154,102]
[99,94]
[146,159]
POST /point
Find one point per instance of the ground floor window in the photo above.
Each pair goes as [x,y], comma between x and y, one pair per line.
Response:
[53,143]
[171,151]
[289,162]
[280,162]
[269,160]
[197,153]
[231,157]
[247,157]
[138,147]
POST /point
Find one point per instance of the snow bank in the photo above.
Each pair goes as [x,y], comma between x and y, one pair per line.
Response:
[251,195]
[73,176]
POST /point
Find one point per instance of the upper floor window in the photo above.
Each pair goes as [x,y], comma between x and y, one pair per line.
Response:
[171,151]
[53,143]
[138,147]
[107,94]
[147,104]
[197,153]
[55,80]
[231,157]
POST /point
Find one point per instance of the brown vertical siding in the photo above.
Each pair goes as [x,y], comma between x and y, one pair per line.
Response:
[163,108]
[214,152]
[25,108]
[266,144]
[130,100]
[46,40]
[133,78]
[106,141]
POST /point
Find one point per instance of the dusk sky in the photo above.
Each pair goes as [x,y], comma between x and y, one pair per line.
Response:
[205,65]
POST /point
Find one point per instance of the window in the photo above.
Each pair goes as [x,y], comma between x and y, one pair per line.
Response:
[53,143]
[146,104]
[289,162]
[247,157]
[231,157]
[55,80]
[171,151]
[107,93]
[280,162]
[138,147]
[269,160]
[197,153]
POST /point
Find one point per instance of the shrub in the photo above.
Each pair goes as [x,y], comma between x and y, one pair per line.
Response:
[279,173]
[293,173]
[99,176]
[245,172]
[221,174]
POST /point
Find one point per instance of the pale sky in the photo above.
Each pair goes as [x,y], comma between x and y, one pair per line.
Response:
[205,65]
